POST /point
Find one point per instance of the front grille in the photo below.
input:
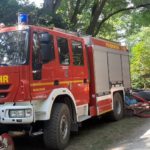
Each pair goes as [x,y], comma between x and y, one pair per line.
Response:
[3,95]
[4,87]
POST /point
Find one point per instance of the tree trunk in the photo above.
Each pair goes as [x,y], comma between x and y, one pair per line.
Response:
[74,16]
[51,5]
[99,24]
[97,10]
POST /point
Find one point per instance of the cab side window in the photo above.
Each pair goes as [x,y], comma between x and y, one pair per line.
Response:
[77,50]
[47,47]
[63,51]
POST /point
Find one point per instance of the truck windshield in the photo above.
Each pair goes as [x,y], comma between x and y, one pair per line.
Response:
[13,48]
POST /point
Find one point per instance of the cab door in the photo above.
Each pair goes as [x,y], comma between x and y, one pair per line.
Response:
[42,61]
[63,73]
[80,78]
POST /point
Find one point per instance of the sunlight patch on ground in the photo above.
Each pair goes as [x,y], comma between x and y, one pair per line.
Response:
[146,134]
[141,142]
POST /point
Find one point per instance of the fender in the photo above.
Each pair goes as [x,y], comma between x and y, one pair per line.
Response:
[43,109]
[117,89]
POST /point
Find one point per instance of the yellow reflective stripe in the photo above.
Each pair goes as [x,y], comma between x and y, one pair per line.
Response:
[42,84]
[64,82]
[38,89]
[76,81]
[60,83]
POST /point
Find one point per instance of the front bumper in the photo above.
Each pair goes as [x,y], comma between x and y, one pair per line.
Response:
[6,119]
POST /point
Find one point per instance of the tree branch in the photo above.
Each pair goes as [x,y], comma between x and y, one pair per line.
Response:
[83,5]
[96,12]
[56,5]
[51,5]
[116,12]
[75,10]
[78,10]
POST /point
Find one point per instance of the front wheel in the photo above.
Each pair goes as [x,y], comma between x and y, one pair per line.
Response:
[118,110]
[57,129]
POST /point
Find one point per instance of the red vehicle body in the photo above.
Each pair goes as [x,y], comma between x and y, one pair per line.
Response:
[52,80]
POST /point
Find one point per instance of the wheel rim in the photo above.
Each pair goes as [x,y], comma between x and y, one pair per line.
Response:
[63,127]
[118,107]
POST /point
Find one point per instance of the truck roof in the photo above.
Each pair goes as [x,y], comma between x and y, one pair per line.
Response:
[89,40]
[104,43]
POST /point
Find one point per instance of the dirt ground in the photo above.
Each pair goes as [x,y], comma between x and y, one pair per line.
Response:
[126,134]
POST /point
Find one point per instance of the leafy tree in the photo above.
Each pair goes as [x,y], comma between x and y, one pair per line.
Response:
[94,16]
[51,5]
[8,11]
[140,62]
[42,16]
[101,18]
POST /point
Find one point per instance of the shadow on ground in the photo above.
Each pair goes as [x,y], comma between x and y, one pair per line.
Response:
[95,134]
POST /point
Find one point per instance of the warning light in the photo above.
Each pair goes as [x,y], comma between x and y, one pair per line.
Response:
[22,18]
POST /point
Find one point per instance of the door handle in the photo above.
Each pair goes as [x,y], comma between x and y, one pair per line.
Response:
[85,80]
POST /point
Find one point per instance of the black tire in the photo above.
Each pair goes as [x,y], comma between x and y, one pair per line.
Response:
[57,129]
[118,109]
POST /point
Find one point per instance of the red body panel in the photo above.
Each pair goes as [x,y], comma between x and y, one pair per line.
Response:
[92,80]
[17,86]
[75,78]
[104,105]
[9,88]
[80,80]
[108,44]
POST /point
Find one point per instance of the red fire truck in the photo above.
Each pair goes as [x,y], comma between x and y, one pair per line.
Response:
[51,80]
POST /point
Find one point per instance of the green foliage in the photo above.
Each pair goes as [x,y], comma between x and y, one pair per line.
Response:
[78,15]
[37,16]
[8,11]
[109,23]
[140,62]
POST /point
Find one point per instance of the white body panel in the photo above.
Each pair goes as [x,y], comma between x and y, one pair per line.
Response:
[114,67]
[111,67]
[41,109]
[101,70]
[126,71]
[4,113]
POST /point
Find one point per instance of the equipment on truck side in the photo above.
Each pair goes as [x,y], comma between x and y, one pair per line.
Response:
[52,79]
[137,105]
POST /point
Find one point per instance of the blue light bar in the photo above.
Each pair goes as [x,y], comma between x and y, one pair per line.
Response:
[22,18]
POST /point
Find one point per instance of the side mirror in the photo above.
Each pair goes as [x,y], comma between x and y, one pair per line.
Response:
[45,52]
[46,47]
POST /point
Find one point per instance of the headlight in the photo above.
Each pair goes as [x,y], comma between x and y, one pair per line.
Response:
[28,112]
[20,113]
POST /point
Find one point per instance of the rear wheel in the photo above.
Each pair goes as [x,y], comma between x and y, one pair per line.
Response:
[57,129]
[117,112]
